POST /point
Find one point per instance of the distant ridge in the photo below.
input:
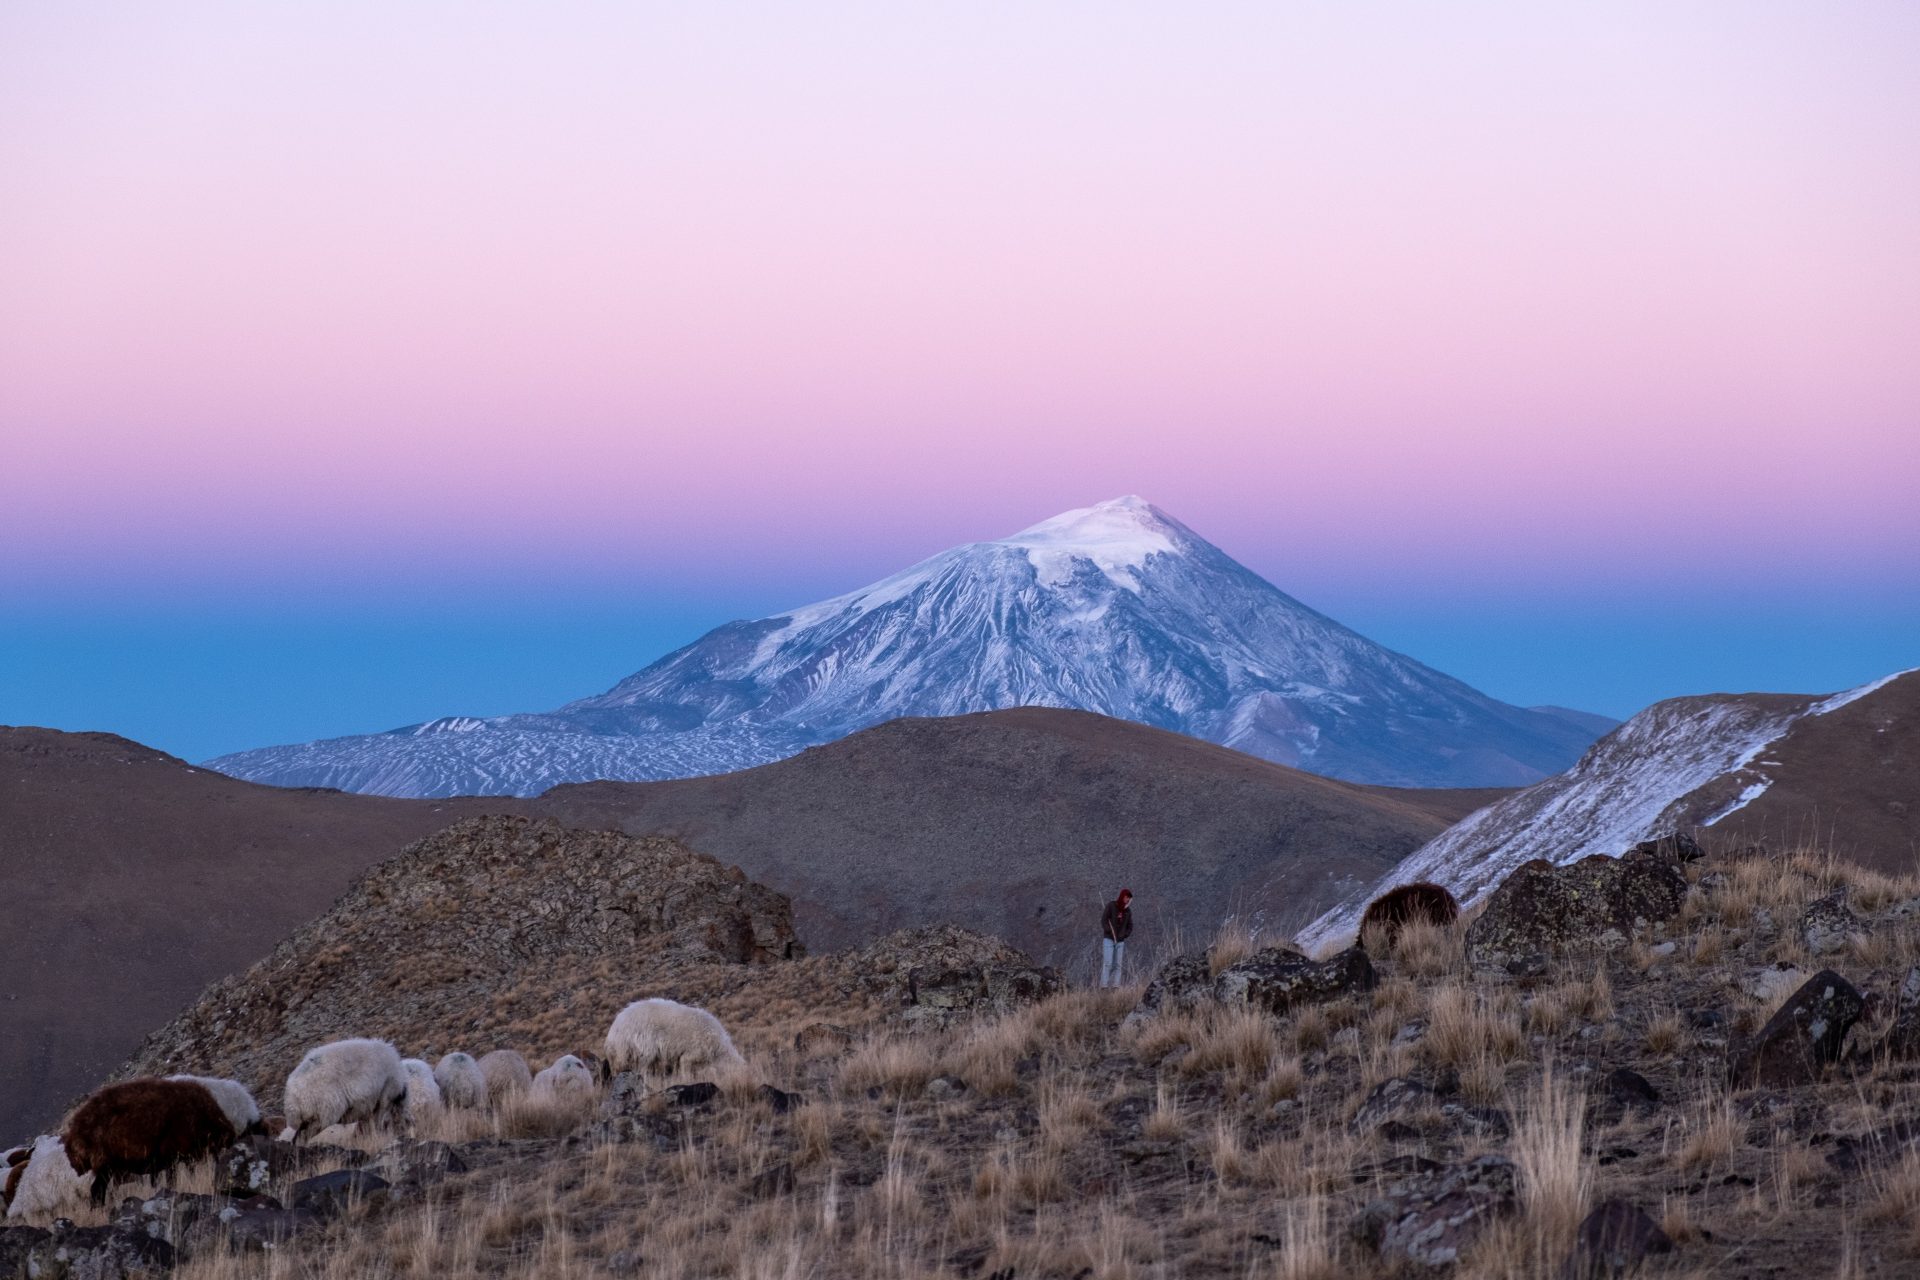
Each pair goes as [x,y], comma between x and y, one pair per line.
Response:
[1117,609]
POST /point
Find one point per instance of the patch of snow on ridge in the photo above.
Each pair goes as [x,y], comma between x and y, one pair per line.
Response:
[1840,700]
[1748,794]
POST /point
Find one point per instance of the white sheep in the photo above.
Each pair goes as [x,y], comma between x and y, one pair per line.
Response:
[460,1080]
[507,1074]
[46,1183]
[665,1037]
[344,1082]
[423,1091]
[568,1079]
[242,1112]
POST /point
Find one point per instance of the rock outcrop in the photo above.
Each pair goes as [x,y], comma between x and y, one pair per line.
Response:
[492,919]
[1805,1037]
[1543,910]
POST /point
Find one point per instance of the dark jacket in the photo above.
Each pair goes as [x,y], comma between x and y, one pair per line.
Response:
[1116,921]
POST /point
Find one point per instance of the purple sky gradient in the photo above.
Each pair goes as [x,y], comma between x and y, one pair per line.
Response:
[1428,313]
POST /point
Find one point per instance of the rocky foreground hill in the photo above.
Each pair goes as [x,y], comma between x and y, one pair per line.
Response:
[132,879]
[1624,1066]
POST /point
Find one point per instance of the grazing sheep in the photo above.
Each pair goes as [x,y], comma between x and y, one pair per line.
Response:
[1396,908]
[423,1091]
[507,1074]
[461,1082]
[142,1128]
[40,1179]
[242,1112]
[567,1080]
[344,1082]
[663,1037]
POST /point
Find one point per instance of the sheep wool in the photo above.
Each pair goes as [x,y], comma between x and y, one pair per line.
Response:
[242,1112]
[344,1082]
[423,1091]
[659,1037]
[568,1079]
[140,1128]
[461,1083]
[44,1182]
[507,1074]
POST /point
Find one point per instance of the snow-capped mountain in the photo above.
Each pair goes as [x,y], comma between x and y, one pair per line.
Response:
[1684,764]
[1116,608]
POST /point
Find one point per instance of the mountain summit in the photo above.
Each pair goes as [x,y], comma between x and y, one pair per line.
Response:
[1116,608]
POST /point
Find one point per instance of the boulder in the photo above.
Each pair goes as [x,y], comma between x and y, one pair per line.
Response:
[1677,847]
[701,1093]
[263,1228]
[329,1194]
[1429,1218]
[1903,1037]
[1800,1040]
[166,1215]
[1278,979]
[1398,1099]
[1543,910]
[937,998]
[420,1164]
[1184,982]
[68,1252]
[625,1094]
[1613,1242]
[1828,927]
[1407,904]
[780,1099]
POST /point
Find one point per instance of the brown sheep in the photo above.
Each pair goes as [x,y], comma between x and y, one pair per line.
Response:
[1398,907]
[16,1166]
[142,1128]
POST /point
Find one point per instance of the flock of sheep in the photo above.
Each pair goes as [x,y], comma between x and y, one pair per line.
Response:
[142,1128]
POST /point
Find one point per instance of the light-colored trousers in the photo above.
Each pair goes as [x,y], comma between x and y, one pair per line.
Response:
[1113,958]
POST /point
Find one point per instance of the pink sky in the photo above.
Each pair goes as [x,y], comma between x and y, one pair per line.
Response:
[1462,295]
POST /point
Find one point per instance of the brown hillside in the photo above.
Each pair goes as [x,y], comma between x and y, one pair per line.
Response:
[129,880]
[1022,823]
[1848,781]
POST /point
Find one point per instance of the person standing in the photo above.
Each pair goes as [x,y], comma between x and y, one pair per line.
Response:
[1116,925]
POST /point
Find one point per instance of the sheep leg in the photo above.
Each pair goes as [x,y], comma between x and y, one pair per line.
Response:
[101,1177]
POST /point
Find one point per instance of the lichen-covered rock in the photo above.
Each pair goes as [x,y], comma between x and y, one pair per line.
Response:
[1827,926]
[68,1252]
[1903,1036]
[1613,1242]
[328,1194]
[1430,1217]
[1803,1038]
[1184,982]
[1543,910]
[1397,1099]
[944,974]
[1279,979]
[1677,846]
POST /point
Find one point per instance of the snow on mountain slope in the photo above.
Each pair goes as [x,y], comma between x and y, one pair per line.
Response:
[1116,608]
[1686,762]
